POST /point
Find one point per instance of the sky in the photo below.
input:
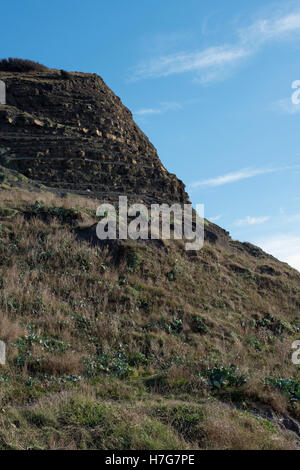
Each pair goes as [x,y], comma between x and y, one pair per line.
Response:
[215,85]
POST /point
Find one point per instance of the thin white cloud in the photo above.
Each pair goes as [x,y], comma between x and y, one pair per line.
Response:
[251,221]
[189,61]
[271,29]
[163,108]
[232,177]
[147,111]
[285,247]
[239,175]
[213,60]
[215,219]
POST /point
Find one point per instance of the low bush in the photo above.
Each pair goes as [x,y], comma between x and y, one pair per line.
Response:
[289,387]
[21,65]
[221,376]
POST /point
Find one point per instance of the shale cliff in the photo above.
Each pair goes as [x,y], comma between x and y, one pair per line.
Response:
[70,131]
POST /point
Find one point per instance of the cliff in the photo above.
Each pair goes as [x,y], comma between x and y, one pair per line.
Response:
[70,131]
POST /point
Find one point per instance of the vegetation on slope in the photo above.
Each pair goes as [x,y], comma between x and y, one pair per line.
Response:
[21,65]
[139,345]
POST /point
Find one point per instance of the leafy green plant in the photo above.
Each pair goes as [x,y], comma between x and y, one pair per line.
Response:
[173,274]
[65,215]
[289,387]
[174,326]
[254,343]
[199,325]
[133,261]
[116,363]
[276,325]
[137,358]
[47,343]
[222,377]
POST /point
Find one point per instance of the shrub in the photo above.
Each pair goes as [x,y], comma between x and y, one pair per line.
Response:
[64,215]
[173,274]
[174,326]
[289,387]
[21,65]
[115,363]
[221,376]
[81,411]
[185,419]
[66,75]
[199,325]
[133,261]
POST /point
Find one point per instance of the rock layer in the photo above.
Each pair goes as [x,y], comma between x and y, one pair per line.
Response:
[70,131]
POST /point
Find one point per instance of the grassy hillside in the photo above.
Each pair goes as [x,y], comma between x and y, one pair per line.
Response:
[140,345]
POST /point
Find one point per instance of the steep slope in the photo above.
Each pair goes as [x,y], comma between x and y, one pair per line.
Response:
[71,131]
[135,344]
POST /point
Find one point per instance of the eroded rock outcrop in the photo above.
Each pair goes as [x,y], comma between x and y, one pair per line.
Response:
[70,131]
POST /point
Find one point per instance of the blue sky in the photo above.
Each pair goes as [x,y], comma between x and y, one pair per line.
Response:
[209,82]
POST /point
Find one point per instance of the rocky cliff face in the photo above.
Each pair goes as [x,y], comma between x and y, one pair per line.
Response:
[70,131]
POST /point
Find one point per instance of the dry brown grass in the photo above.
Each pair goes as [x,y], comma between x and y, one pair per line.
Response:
[57,288]
[10,329]
[227,428]
[59,364]
[47,198]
